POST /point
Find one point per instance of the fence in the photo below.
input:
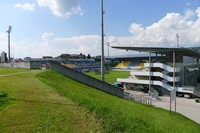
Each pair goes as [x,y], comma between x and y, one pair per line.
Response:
[144,99]
[83,78]
[197,90]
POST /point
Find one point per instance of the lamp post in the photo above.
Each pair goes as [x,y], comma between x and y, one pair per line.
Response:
[102,42]
[9,30]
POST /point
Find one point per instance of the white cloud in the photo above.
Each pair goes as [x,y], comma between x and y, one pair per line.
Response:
[160,34]
[163,33]
[25,6]
[62,7]
[189,14]
[47,37]
[198,12]
[136,28]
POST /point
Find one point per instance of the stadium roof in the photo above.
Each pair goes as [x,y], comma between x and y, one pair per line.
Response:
[191,52]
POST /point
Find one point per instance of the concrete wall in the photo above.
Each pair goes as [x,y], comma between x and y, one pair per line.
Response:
[83,78]
[25,65]
[7,65]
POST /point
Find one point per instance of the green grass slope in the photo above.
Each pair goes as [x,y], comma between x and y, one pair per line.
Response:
[31,106]
[10,71]
[112,76]
[118,115]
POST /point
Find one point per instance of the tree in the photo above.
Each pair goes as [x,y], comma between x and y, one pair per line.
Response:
[88,57]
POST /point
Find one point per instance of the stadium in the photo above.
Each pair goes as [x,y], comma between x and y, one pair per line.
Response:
[163,70]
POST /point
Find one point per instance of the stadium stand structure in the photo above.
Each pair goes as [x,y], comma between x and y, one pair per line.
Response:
[123,65]
[129,65]
[158,72]
[82,65]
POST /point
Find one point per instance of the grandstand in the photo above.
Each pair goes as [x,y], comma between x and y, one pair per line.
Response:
[82,65]
[129,65]
[123,64]
[171,68]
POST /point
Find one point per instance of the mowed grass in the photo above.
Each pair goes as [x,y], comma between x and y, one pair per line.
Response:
[31,106]
[112,76]
[116,114]
[11,70]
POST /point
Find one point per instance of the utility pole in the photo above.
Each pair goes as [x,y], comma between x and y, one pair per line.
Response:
[9,30]
[102,42]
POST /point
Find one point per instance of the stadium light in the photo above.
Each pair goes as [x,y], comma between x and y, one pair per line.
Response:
[102,42]
[177,41]
[9,31]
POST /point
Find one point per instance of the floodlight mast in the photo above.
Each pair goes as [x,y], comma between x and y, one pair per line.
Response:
[102,42]
[177,41]
[9,31]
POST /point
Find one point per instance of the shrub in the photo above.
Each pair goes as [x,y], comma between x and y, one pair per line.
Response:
[197,100]
[2,94]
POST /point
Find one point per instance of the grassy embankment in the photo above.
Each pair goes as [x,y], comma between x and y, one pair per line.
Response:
[11,71]
[118,115]
[31,106]
[4,100]
[63,105]
[112,76]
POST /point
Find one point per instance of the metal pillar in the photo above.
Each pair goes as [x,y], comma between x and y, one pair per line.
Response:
[108,44]
[102,42]
[8,46]
[174,61]
[9,30]
[150,73]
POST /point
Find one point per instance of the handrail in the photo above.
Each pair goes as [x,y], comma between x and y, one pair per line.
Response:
[159,83]
[158,74]
[163,66]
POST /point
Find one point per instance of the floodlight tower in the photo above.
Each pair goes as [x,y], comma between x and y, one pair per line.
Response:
[102,42]
[9,30]
[177,37]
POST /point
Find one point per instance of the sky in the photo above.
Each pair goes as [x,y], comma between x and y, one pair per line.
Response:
[54,27]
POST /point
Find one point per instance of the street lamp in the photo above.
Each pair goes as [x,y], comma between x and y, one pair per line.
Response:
[9,30]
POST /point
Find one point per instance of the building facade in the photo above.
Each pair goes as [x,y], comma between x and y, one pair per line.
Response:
[3,57]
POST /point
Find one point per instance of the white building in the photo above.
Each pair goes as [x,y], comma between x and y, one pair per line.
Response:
[3,57]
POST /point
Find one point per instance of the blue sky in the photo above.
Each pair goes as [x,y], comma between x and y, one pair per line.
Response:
[52,27]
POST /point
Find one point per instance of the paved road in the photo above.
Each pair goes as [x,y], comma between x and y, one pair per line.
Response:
[185,106]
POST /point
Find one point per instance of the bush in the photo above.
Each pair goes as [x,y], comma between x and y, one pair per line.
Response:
[3,100]
[197,100]
[2,94]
